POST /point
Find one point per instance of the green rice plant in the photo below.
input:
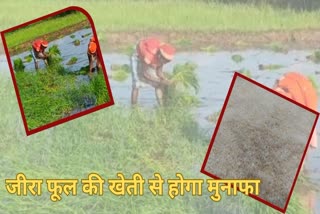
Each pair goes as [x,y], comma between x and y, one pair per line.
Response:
[246,72]
[54,55]
[85,35]
[72,61]
[185,75]
[120,73]
[314,81]
[18,65]
[270,67]
[28,58]
[76,42]
[99,88]
[209,49]
[72,36]
[185,79]
[237,58]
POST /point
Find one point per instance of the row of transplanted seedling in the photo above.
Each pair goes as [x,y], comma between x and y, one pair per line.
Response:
[55,92]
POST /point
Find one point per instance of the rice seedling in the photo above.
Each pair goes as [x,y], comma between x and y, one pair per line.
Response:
[72,61]
[120,72]
[28,58]
[246,72]
[237,58]
[72,36]
[270,67]
[18,65]
[185,79]
[209,49]
[76,42]
[85,35]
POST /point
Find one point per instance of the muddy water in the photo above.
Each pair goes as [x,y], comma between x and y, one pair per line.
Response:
[215,71]
[67,49]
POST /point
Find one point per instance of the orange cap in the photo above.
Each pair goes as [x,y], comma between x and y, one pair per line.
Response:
[92,47]
[167,51]
[92,39]
[44,43]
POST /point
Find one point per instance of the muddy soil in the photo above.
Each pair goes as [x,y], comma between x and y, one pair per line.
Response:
[189,41]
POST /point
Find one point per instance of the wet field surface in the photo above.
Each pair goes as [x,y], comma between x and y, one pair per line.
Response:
[67,49]
[215,72]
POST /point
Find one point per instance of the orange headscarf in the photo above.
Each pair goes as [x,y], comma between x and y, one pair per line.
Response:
[297,87]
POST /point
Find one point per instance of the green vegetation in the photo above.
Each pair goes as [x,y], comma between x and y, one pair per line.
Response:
[73,36]
[41,28]
[270,67]
[237,58]
[209,49]
[52,93]
[186,86]
[246,72]
[116,139]
[72,61]
[76,42]
[85,35]
[28,58]
[18,65]
[120,72]
[192,15]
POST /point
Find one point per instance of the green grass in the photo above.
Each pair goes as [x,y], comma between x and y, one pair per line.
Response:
[41,28]
[180,15]
[53,93]
[49,96]
[116,139]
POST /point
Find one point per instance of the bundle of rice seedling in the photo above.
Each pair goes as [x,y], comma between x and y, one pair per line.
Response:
[120,73]
[54,55]
[18,65]
[185,88]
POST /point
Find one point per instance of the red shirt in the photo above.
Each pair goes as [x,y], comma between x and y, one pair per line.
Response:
[147,50]
[37,45]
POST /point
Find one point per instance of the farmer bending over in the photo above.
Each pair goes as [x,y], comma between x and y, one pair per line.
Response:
[93,55]
[146,67]
[297,87]
[38,47]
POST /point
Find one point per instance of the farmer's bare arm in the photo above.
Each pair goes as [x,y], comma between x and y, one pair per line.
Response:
[163,79]
[148,76]
[160,74]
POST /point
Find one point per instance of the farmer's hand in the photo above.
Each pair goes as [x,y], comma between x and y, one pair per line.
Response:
[167,82]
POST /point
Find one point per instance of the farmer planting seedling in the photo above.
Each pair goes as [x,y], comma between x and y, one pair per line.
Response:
[146,67]
[38,52]
[93,55]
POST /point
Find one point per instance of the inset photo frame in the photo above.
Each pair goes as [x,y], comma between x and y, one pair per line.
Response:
[57,68]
